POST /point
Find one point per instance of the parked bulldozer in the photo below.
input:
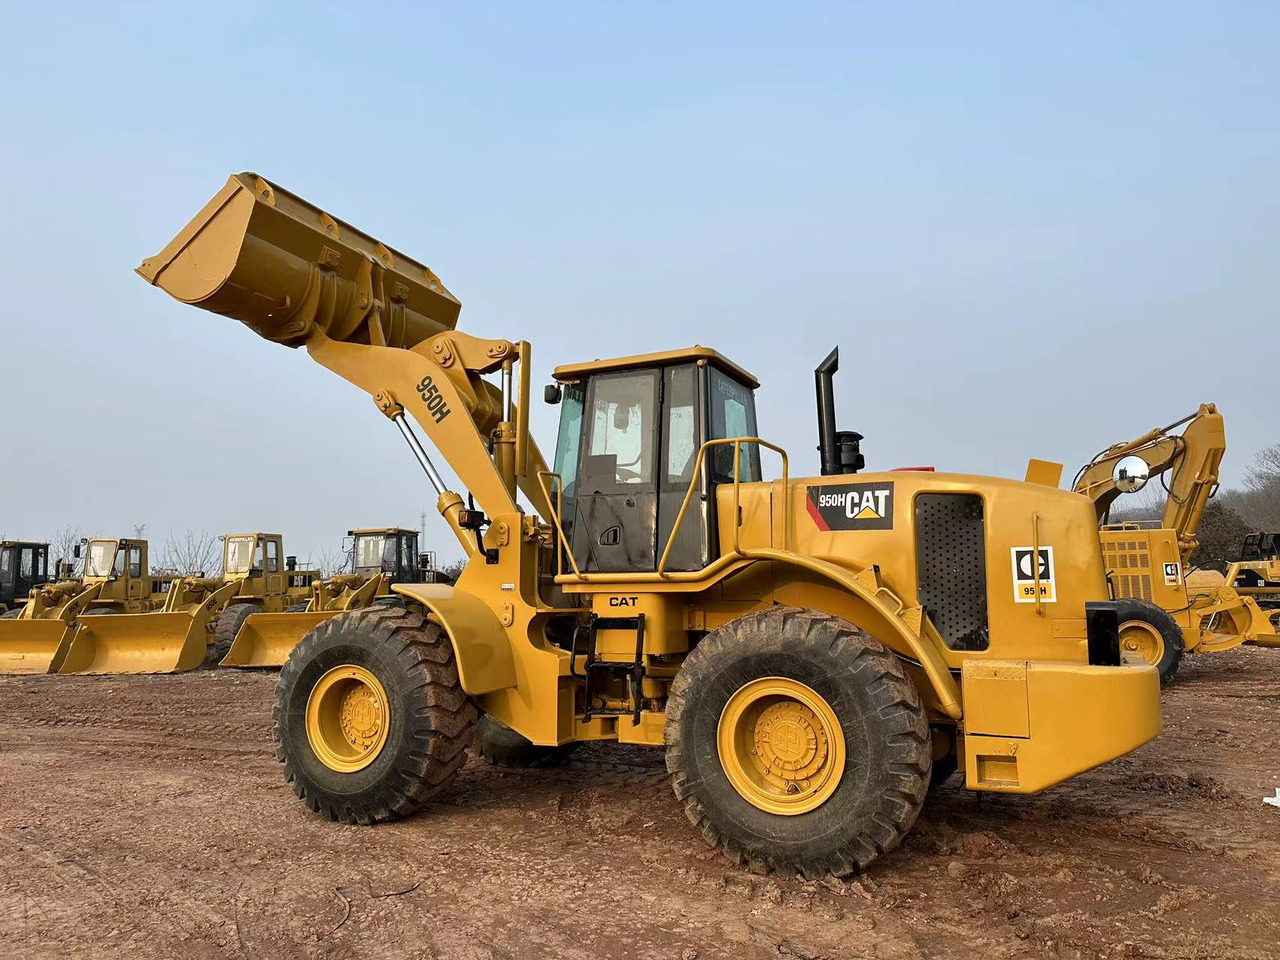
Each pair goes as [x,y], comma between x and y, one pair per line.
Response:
[379,557]
[24,565]
[809,651]
[1148,561]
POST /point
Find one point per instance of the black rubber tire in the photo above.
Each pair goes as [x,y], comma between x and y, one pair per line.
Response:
[298,607]
[888,752]
[13,614]
[100,612]
[503,747]
[228,624]
[430,715]
[1131,609]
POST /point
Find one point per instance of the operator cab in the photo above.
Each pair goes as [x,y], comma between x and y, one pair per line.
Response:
[107,560]
[630,432]
[393,551]
[23,565]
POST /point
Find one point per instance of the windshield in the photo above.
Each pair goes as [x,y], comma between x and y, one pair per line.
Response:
[369,551]
[239,555]
[101,558]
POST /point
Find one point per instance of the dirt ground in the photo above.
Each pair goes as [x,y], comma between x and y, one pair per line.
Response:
[146,817]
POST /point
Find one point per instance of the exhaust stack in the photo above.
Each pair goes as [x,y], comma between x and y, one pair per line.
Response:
[838,450]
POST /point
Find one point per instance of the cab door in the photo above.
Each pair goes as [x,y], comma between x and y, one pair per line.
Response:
[617,489]
[272,567]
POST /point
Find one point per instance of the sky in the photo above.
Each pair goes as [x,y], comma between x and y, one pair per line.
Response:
[1033,230]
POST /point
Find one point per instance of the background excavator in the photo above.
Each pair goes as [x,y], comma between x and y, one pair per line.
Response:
[1148,561]
[810,652]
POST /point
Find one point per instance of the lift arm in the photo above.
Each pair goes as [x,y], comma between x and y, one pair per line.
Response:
[297,276]
[1192,459]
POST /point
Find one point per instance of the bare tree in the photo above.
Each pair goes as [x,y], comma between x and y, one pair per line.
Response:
[1264,473]
[62,548]
[192,554]
[333,561]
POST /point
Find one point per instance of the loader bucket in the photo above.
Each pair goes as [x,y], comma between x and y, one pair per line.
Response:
[136,643]
[266,639]
[33,646]
[260,255]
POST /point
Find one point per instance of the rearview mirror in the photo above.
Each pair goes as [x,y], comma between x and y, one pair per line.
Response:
[1131,474]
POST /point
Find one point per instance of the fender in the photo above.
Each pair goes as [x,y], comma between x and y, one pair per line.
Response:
[923,649]
[480,644]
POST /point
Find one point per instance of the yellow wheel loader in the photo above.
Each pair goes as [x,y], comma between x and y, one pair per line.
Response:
[270,583]
[1148,561]
[24,565]
[116,580]
[807,650]
[380,557]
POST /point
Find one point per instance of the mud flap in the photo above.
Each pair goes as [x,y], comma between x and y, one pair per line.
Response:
[136,643]
[33,646]
[267,639]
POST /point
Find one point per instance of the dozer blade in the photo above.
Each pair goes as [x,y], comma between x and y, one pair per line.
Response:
[33,646]
[136,643]
[266,639]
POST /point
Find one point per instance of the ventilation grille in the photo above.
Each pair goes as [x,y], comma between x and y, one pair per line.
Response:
[951,567]
[1129,564]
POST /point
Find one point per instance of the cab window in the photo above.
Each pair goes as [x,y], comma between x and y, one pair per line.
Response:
[273,557]
[733,414]
[135,561]
[623,428]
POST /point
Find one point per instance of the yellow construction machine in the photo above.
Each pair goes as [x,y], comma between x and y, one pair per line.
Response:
[270,583]
[1257,573]
[1148,561]
[116,618]
[380,558]
[807,650]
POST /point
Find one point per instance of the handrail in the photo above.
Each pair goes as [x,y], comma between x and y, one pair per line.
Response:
[563,547]
[737,494]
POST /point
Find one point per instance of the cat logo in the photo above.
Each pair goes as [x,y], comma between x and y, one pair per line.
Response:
[1027,571]
[1172,574]
[623,601]
[852,506]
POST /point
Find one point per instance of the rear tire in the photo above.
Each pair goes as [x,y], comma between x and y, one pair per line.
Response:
[13,614]
[863,707]
[406,733]
[503,747]
[224,632]
[100,612]
[1151,630]
[298,607]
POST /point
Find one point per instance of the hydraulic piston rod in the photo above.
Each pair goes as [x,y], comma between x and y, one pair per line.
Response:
[419,451]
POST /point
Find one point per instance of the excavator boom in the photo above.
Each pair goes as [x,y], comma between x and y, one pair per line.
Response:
[1193,459]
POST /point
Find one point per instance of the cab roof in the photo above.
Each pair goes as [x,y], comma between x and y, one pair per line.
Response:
[371,531]
[575,371]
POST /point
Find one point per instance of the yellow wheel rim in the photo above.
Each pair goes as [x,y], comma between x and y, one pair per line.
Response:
[1137,636]
[781,746]
[347,718]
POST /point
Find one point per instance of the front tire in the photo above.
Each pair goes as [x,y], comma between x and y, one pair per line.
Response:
[224,632]
[370,717]
[1150,630]
[797,743]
